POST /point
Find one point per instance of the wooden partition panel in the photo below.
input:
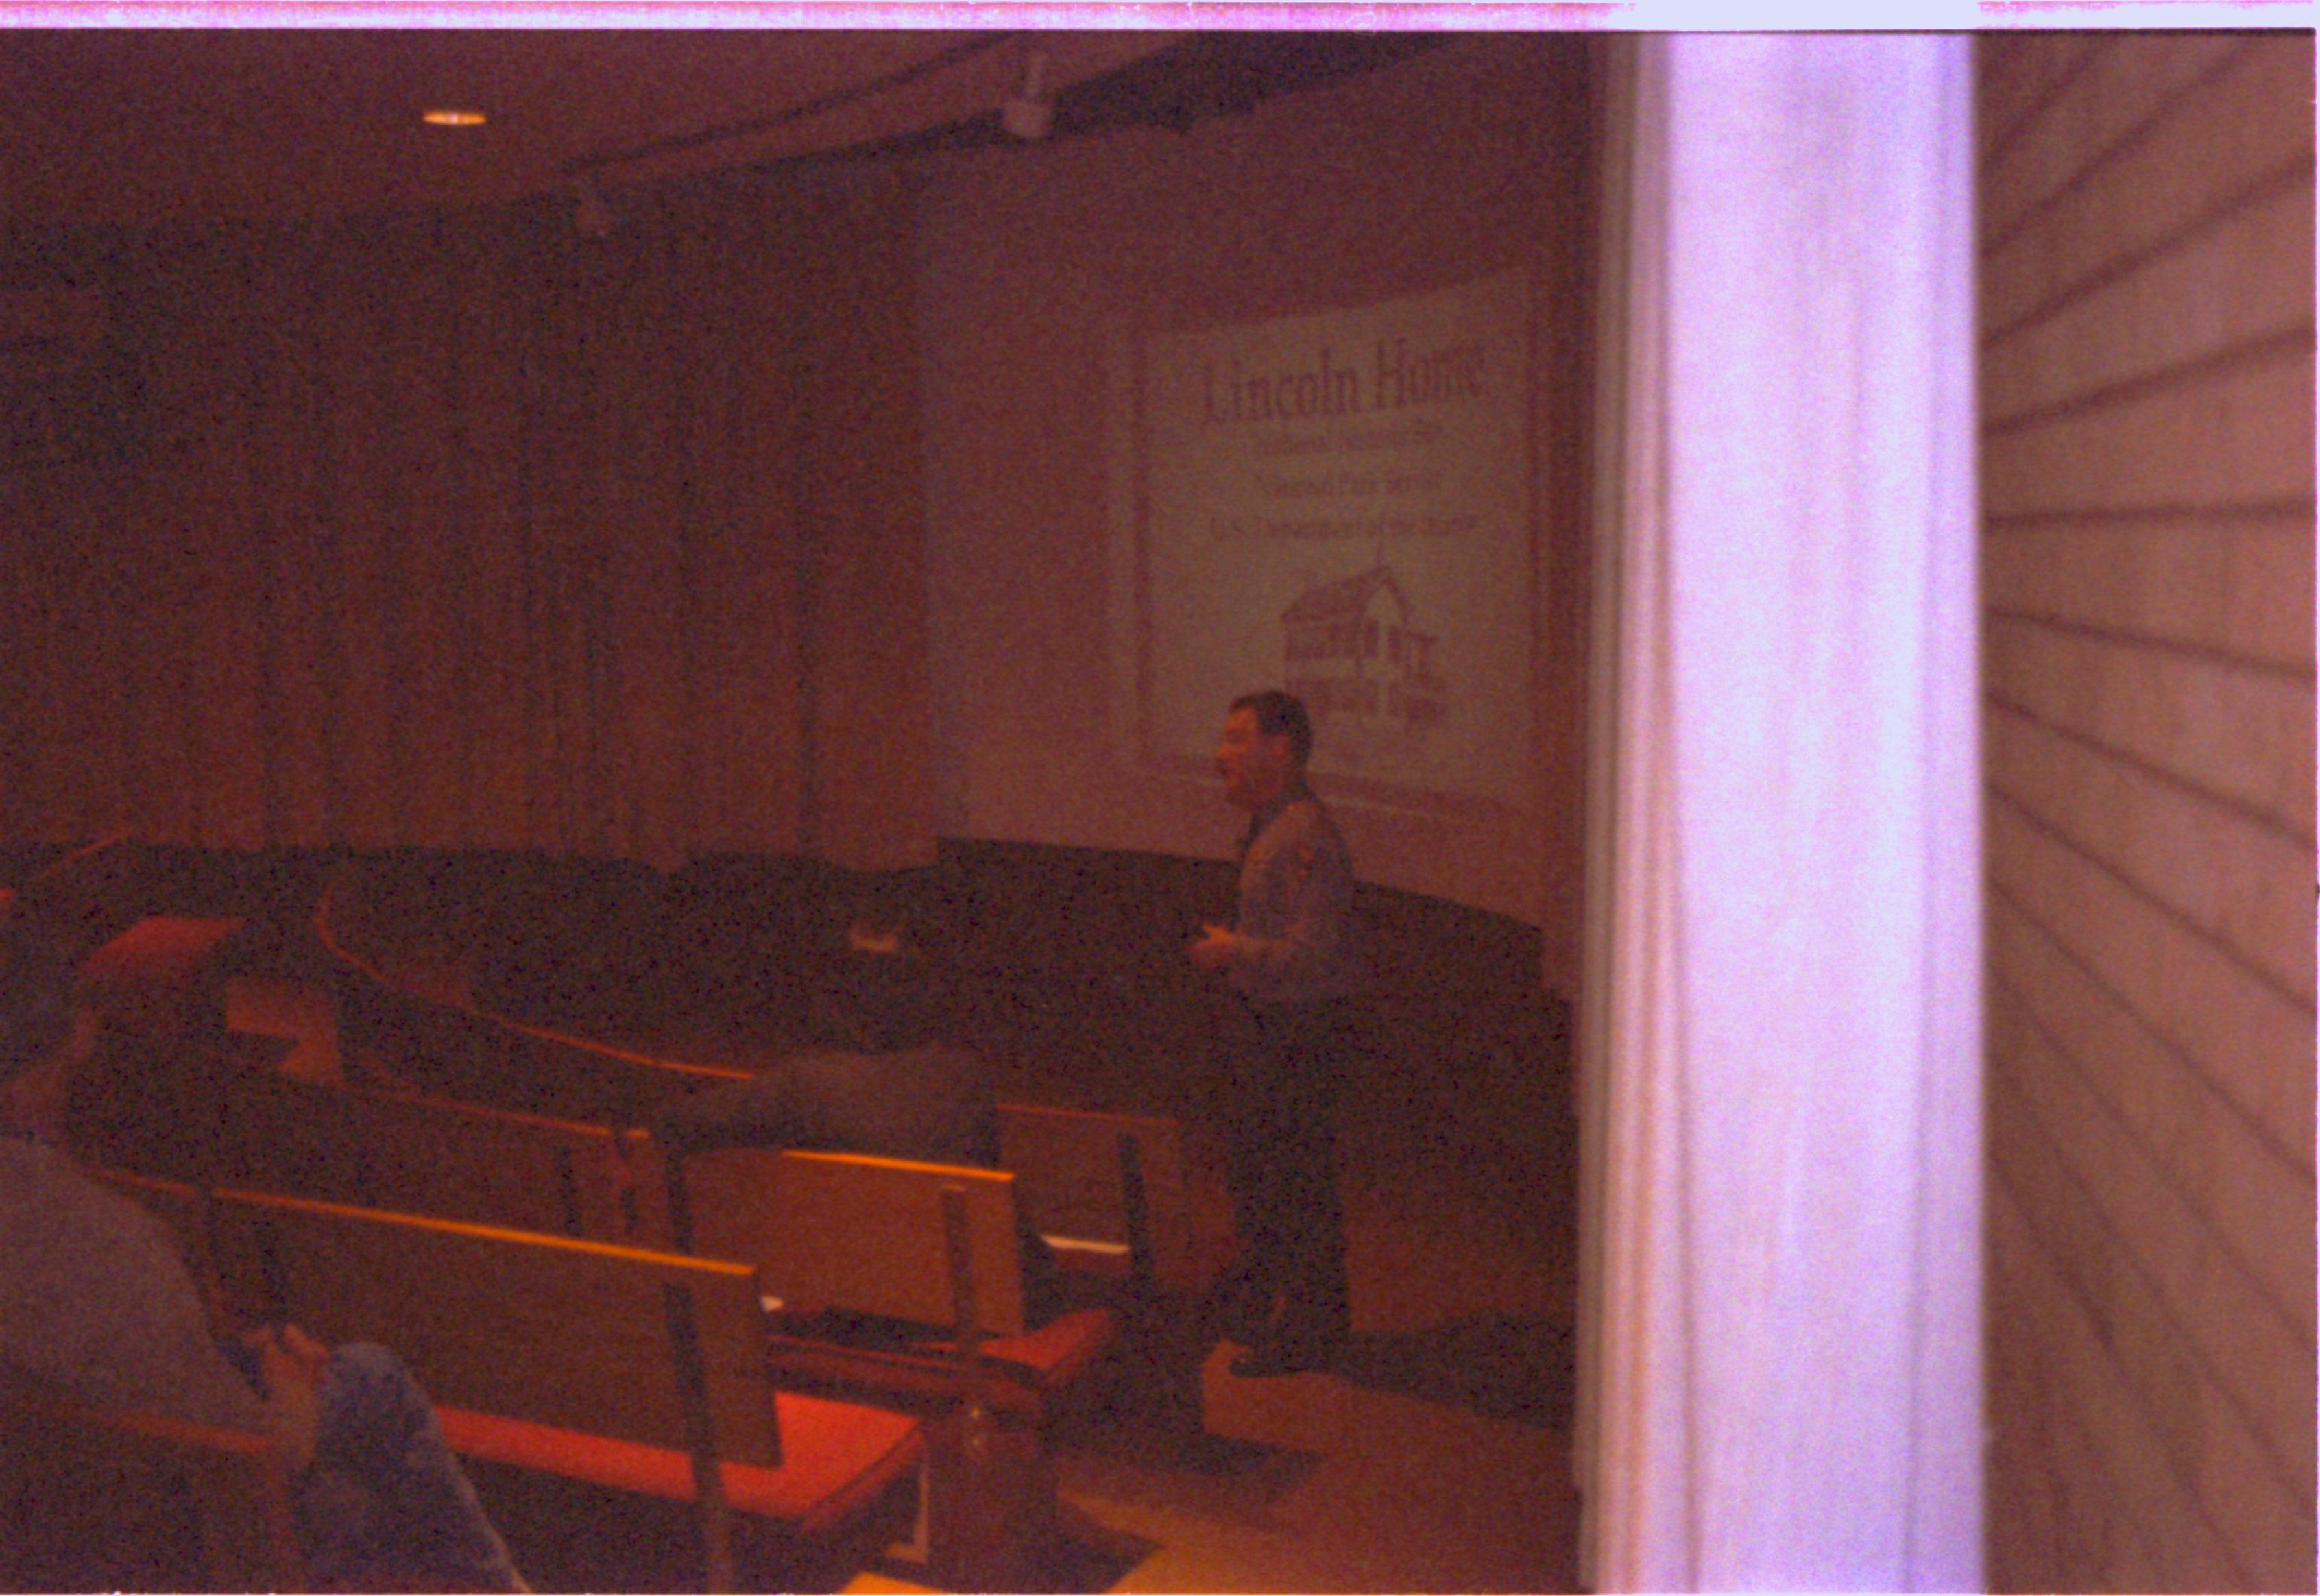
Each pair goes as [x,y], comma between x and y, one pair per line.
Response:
[2147,416]
[573,1334]
[859,1234]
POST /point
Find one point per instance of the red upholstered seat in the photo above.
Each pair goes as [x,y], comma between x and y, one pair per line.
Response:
[892,1361]
[837,1459]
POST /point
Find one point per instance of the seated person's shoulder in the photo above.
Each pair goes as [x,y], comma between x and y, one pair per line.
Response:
[42,1189]
[95,1298]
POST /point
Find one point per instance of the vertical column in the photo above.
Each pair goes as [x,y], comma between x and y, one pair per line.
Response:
[1782,1358]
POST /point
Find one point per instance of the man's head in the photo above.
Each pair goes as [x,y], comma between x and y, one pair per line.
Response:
[1267,740]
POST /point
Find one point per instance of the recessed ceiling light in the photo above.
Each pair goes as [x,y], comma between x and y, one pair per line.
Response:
[446,118]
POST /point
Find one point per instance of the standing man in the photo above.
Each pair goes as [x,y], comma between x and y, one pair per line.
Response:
[1288,956]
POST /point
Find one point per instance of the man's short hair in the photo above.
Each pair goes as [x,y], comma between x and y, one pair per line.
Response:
[40,988]
[1280,714]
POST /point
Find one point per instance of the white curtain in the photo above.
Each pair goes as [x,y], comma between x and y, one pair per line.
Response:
[1782,1383]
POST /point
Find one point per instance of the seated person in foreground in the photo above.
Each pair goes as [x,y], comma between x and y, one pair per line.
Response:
[876,1082]
[97,1305]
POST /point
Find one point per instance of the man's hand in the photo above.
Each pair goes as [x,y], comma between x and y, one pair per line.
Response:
[1214,950]
[291,1363]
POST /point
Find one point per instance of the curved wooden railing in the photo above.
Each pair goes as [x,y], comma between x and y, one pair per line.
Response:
[456,1048]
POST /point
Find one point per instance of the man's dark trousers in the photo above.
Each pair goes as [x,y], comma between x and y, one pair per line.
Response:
[1283,1170]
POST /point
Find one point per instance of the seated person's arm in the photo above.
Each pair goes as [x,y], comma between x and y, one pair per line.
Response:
[290,1368]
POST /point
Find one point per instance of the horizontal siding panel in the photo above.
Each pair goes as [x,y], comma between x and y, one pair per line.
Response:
[2240,435]
[2246,884]
[2254,1192]
[2012,74]
[2251,124]
[2052,1518]
[2184,1315]
[2247,281]
[2127,81]
[2242,588]
[2127,1561]
[2145,213]
[2244,735]
[2090,1525]
[2272,1529]
[2023,1514]
[2253,1044]
[2131,1474]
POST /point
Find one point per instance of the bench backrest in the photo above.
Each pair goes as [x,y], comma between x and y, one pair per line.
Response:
[860,1234]
[1105,1180]
[108,1498]
[1113,1180]
[432,1155]
[527,1172]
[613,1341]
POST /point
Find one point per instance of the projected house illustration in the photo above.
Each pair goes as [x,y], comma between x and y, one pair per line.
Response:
[1350,650]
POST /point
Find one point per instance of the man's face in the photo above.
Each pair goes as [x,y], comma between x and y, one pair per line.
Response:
[1255,767]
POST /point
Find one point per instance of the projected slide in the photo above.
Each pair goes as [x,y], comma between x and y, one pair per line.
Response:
[1338,503]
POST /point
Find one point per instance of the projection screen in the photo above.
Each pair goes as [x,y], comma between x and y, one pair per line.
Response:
[1338,504]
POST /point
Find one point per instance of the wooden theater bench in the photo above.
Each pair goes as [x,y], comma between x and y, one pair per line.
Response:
[456,1049]
[901,1283]
[927,1254]
[1112,1194]
[100,1499]
[637,1371]
[295,1013]
[1108,1191]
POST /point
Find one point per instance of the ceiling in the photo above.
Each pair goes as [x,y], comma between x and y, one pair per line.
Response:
[137,126]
